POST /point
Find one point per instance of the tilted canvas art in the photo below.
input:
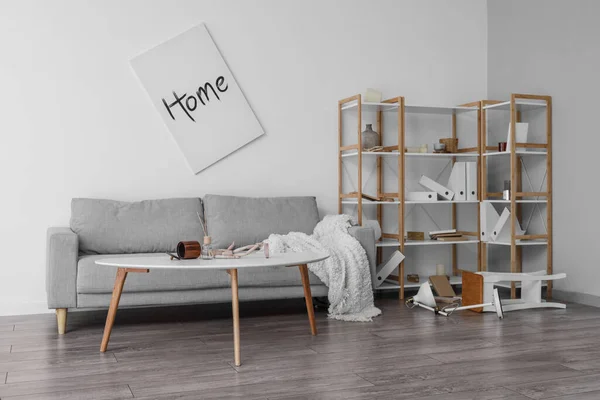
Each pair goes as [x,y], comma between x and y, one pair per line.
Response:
[197,97]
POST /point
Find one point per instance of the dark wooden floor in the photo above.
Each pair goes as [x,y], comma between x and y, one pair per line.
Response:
[186,353]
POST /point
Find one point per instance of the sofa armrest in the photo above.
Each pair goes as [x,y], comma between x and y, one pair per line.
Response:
[366,237]
[62,250]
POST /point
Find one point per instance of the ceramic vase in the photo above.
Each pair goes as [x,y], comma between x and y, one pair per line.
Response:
[370,138]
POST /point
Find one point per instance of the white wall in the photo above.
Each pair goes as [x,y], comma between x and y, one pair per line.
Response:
[551,47]
[76,123]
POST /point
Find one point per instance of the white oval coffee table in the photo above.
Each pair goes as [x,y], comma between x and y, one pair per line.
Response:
[145,264]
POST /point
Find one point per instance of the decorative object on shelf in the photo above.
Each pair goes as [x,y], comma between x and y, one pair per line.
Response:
[421,196]
[199,100]
[506,191]
[188,250]
[502,146]
[440,269]
[451,144]
[413,278]
[425,299]
[417,149]
[441,190]
[373,198]
[372,96]
[370,138]
[412,235]
[439,148]
[521,136]
[479,288]
[386,268]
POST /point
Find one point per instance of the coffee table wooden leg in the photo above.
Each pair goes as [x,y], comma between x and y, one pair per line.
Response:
[114,303]
[308,298]
[235,306]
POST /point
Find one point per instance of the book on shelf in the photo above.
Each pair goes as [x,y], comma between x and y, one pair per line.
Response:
[459,238]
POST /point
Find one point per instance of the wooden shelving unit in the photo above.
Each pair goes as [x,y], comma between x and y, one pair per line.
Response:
[397,108]
[517,106]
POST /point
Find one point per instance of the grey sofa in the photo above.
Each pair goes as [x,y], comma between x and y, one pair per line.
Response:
[105,228]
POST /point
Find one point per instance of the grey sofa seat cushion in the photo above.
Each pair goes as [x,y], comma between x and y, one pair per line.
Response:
[117,227]
[248,220]
[93,279]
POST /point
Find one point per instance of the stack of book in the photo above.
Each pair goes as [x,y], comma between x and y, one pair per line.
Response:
[449,235]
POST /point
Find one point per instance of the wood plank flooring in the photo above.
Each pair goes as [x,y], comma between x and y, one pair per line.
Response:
[187,353]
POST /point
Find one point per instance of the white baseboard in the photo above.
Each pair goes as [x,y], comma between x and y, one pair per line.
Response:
[12,307]
[575,297]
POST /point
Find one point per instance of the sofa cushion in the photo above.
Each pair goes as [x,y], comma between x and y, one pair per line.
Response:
[117,227]
[92,278]
[248,220]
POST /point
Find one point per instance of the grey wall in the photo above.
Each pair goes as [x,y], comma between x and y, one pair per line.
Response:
[76,122]
[551,47]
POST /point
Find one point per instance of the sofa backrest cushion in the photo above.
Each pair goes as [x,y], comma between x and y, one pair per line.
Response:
[248,220]
[150,226]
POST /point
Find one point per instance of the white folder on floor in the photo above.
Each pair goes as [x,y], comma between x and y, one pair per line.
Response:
[489,217]
[387,267]
[458,181]
[502,231]
[441,190]
[471,175]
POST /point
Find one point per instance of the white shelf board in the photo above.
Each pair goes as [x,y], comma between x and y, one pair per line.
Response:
[408,108]
[430,242]
[441,155]
[370,107]
[524,242]
[523,201]
[518,152]
[522,105]
[420,109]
[396,154]
[441,202]
[394,243]
[369,202]
[388,286]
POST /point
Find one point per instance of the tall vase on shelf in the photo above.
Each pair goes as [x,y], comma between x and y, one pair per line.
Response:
[370,138]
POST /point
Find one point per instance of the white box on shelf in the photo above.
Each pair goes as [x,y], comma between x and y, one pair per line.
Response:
[421,196]
[471,168]
[441,190]
[489,218]
[387,267]
[458,181]
[501,231]
[521,135]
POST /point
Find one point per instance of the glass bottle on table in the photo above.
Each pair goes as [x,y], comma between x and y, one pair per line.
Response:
[207,252]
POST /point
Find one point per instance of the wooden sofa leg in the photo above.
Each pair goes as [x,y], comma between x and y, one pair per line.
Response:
[61,320]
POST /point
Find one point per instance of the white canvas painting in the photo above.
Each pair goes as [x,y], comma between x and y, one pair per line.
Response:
[197,97]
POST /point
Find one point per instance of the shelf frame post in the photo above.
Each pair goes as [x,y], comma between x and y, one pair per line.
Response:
[401,189]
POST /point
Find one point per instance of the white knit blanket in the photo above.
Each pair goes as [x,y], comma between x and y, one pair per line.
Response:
[346,272]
